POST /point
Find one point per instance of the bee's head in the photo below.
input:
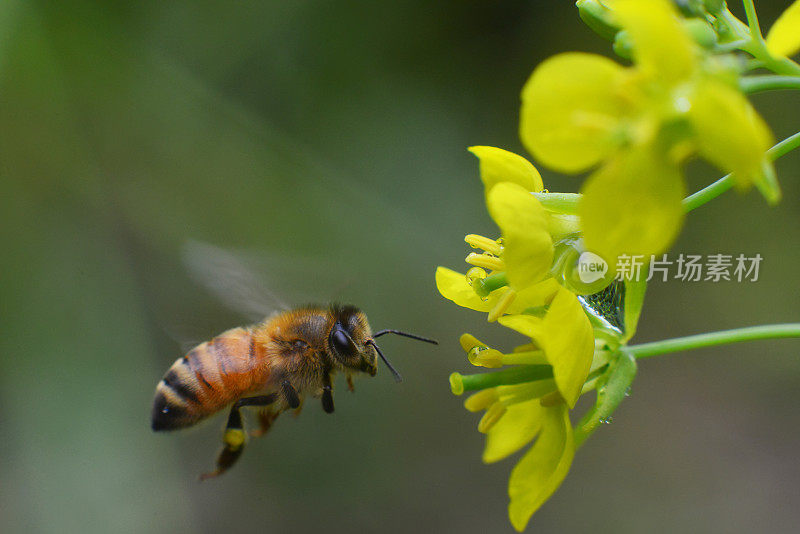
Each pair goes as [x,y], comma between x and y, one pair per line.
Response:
[350,340]
[353,345]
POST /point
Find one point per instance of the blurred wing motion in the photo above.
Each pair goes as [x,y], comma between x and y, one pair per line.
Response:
[229,278]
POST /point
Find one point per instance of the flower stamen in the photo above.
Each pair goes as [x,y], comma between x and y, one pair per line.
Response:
[511,395]
[485,357]
[487,261]
[481,400]
[491,417]
[502,305]
[489,245]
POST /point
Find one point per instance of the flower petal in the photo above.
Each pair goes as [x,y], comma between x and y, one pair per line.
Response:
[542,469]
[454,286]
[661,46]
[534,296]
[518,426]
[783,38]
[566,337]
[729,132]
[571,106]
[527,245]
[498,165]
[632,206]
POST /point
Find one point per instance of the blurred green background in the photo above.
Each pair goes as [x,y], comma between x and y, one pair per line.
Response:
[333,134]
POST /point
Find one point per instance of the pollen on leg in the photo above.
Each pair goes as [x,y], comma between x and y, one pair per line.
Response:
[234,438]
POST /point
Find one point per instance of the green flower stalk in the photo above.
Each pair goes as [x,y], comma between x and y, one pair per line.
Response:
[634,128]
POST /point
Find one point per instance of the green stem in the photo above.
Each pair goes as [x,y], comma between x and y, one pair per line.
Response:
[711,339]
[730,47]
[714,190]
[778,65]
[757,84]
[490,283]
[738,30]
[752,42]
[752,20]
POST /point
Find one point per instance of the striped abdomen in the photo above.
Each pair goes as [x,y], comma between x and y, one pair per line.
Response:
[208,378]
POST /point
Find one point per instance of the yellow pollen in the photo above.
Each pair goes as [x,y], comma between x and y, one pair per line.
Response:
[493,263]
[502,305]
[491,417]
[485,357]
[481,400]
[468,341]
[456,384]
[234,437]
[489,245]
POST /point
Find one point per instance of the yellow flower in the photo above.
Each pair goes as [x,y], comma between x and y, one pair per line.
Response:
[639,124]
[529,392]
[523,402]
[542,468]
[565,336]
[498,165]
[783,38]
[520,260]
[455,286]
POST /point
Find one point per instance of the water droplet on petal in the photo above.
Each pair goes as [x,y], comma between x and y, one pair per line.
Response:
[476,274]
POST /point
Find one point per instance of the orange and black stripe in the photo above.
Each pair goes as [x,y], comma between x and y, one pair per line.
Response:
[208,378]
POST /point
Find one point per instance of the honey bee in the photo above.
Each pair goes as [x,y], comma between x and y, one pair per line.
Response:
[273,365]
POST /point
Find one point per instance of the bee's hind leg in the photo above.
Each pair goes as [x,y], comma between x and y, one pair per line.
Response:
[234,436]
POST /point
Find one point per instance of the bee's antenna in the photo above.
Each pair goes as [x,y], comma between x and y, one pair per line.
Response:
[406,334]
[397,377]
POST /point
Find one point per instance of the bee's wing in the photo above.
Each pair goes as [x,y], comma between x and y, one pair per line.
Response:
[229,277]
[185,337]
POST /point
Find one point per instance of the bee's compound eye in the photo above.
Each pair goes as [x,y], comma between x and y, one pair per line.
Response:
[341,342]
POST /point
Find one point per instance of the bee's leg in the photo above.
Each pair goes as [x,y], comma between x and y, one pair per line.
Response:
[233,440]
[234,436]
[327,393]
[350,384]
[290,394]
[298,409]
[266,417]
